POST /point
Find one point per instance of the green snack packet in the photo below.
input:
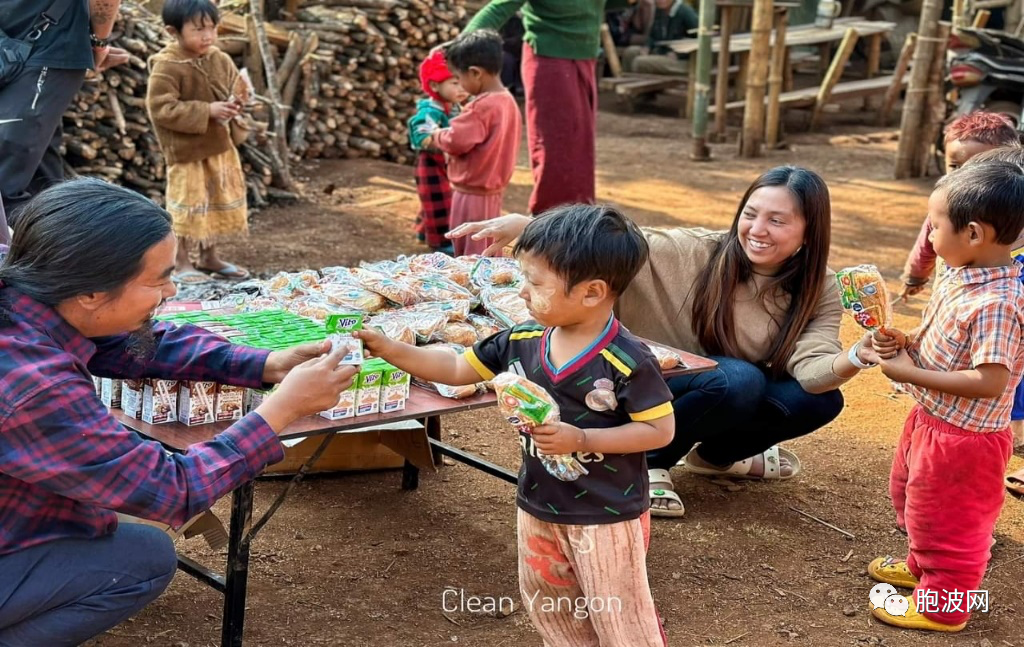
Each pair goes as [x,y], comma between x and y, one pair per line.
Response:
[339,331]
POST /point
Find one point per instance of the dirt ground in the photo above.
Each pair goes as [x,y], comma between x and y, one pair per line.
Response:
[353,560]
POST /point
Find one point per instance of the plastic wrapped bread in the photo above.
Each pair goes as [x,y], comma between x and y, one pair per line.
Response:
[527,405]
[865,297]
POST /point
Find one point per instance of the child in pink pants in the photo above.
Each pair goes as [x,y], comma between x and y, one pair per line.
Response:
[961,365]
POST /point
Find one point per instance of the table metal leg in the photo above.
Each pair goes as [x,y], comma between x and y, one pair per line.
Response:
[237,579]
[410,476]
[433,426]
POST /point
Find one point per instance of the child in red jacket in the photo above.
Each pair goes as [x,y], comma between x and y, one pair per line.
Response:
[482,143]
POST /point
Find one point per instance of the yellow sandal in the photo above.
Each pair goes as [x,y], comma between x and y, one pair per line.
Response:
[891,571]
[913,619]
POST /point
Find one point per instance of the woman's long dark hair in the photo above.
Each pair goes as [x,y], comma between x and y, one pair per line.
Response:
[80,237]
[801,277]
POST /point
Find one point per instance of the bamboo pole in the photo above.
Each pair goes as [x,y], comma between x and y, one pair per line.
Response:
[960,13]
[913,108]
[760,53]
[702,82]
[897,79]
[835,72]
[935,104]
[722,82]
[775,80]
[614,64]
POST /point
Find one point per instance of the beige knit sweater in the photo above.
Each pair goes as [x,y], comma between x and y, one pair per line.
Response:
[658,305]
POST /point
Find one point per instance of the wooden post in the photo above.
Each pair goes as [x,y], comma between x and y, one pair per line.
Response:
[874,62]
[253,61]
[278,148]
[981,19]
[702,82]
[935,104]
[913,108]
[960,13]
[722,82]
[897,79]
[609,50]
[775,80]
[760,53]
[835,72]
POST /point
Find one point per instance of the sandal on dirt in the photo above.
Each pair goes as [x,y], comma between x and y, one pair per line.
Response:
[191,277]
[662,476]
[229,272]
[912,619]
[741,469]
[1015,482]
[891,571]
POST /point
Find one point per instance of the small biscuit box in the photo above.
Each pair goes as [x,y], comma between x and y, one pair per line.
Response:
[346,407]
[394,389]
[368,389]
[110,392]
[131,398]
[230,402]
[196,402]
[159,401]
[254,398]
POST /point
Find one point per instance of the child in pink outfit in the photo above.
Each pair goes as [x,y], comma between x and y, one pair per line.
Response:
[483,142]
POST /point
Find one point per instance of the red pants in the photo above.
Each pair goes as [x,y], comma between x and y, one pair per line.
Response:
[947,488]
[561,128]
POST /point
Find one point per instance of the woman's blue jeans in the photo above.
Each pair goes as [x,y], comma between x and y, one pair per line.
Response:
[737,411]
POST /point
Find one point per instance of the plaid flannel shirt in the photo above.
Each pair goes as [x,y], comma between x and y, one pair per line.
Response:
[975,317]
[66,465]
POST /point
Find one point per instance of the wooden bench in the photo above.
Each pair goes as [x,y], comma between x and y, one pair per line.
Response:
[630,86]
[807,97]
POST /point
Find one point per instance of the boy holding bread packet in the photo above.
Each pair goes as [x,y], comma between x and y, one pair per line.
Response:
[583,519]
[960,366]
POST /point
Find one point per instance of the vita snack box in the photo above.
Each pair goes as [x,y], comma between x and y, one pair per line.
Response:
[230,402]
[196,402]
[346,407]
[394,389]
[159,401]
[368,387]
[131,398]
[255,397]
[110,392]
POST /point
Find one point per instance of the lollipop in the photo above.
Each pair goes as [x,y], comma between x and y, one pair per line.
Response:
[526,405]
[863,294]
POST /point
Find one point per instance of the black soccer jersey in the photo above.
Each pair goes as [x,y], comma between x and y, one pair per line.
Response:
[612,382]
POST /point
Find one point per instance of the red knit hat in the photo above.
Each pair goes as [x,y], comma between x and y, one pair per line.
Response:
[434,69]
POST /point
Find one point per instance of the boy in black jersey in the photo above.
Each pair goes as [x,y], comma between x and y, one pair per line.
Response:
[582,544]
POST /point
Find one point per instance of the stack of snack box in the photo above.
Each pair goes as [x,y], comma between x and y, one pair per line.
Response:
[379,387]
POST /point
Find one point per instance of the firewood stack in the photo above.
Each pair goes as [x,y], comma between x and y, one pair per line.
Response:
[346,72]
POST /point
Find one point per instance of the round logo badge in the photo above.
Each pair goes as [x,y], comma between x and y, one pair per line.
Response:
[601,400]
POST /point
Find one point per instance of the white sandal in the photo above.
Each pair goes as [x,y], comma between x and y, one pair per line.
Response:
[741,469]
[662,476]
